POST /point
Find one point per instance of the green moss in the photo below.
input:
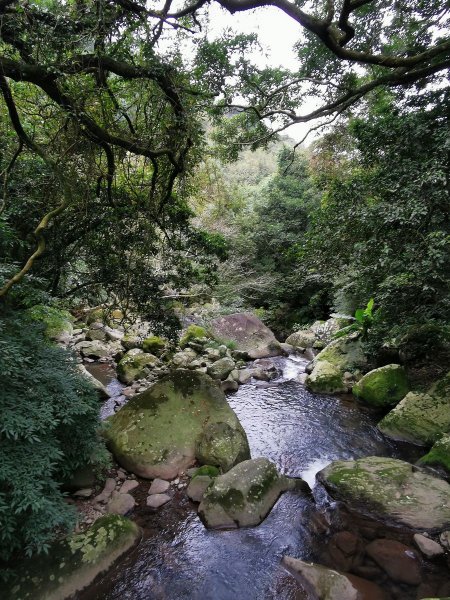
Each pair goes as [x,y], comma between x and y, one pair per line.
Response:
[191,333]
[230,499]
[257,491]
[383,387]
[56,320]
[154,344]
[133,367]
[206,470]
[439,454]
[326,378]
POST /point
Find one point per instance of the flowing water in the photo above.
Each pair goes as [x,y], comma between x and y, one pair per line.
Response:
[178,559]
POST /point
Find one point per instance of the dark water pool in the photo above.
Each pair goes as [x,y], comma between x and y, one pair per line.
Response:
[179,559]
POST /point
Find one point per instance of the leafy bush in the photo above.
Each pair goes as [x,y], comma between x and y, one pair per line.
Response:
[48,430]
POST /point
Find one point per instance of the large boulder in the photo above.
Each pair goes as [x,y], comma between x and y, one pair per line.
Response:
[420,418]
[302,339]
[135,366]
[321,583]
[383,387]
[248,333]
[222,445]
[343,357]
[221,368]
[244,496]
[73,564]
[439,455]
[93,349]
[155,434]
[390,490]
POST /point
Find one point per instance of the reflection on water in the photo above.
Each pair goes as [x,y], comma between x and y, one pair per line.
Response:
[180,560]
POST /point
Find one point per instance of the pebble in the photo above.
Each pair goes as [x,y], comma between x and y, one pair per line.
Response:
[176,481]
[84,493]
[157,500]
[428,547]
[158,486]
[128,486]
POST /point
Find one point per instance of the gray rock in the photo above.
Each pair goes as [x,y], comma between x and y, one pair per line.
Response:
[128,486]
[157,500]
[249,333]
[429,548]
[221,368]
[245,375]
[183,359]
[304,339]
[229,384]
[198,486]
[101,389]
[322,583]
[222,445]
[155,433]
[120,504]
[243,496]
[114,335]
[390,490]
[85,493]
[109,487]
[158,486]
[96,334]
[94,349]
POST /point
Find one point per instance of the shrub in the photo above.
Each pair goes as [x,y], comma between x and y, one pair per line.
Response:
[48,430]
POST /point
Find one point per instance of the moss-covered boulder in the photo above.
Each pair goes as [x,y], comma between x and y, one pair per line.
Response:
[131,341]
[248,333]
[154,344]
[93,349]
[192,332]
[244,496]
[390,490]
[326,379]
[58,322]
[322,583]
[302,339]
[439,455]
[222,445]
[420,418]
[73,564]
[135,366]
[329,368]
[221,368]
[155,434]
[383,387]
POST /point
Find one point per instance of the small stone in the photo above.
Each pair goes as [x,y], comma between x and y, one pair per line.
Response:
[158,486]
[84,493]
[157,500]
[121,475]
[198,487]
[128,486]
[176,481]
[120,504]
[428,547]
[444,538]
[110,486]
[180,486]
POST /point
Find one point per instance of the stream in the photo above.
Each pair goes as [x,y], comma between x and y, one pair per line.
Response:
[178,559]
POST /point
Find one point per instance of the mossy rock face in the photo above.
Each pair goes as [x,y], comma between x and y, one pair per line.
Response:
[439,455]
[73,564]
[244,496]
[420,418]
[155,433]
[135,366]
[222,445]
[192,332]
[154,344]
[325,378]
[327,584]
[383,387]
[390,490]
[58,322]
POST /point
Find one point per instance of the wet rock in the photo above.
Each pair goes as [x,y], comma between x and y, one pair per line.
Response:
[249,333]
[159,486]
[245,375]
[198,486]
[326,378]
[439,455]
[244,496]
[420,418]
[222,445]
[400,562]
[120,504]
[157,500]
[383,387]
[155,433]
[74,563]
[128,486]
[429,548]
[135,366]
[268,366]
[229,385]
[221,368]
[346,549]
[390,490]
[101,389]
[321,583]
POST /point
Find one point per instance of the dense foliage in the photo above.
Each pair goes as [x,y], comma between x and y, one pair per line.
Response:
[48,429]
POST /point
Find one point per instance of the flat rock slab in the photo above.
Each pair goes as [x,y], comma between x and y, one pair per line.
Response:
[128,486]
[159,486]
[73,564]
[322,583]
[157,500]
[155,433]
[390,490]
[120,504]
